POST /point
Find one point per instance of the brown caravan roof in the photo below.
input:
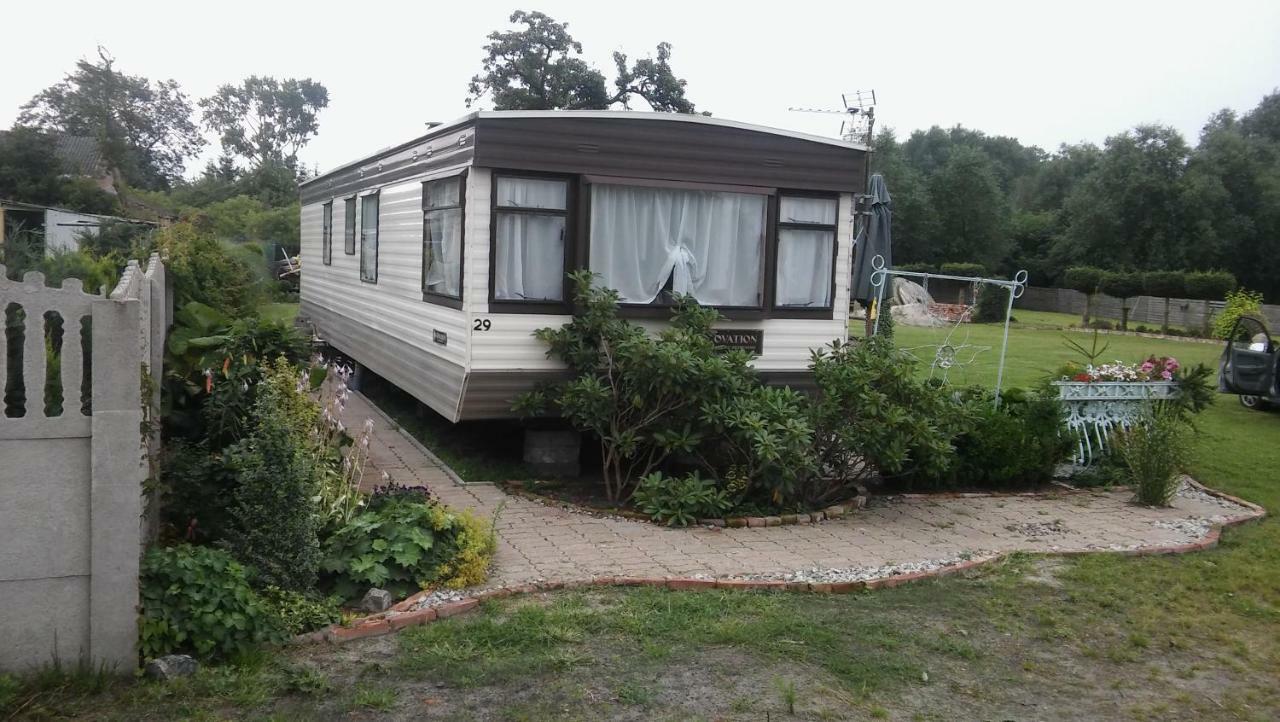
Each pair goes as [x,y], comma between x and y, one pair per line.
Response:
[665,146]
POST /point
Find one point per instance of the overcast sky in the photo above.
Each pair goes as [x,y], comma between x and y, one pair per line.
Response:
[1078,71]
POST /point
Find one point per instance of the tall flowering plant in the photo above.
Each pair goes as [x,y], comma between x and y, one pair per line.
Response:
[339,496]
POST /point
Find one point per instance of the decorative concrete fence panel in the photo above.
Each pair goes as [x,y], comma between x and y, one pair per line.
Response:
[73,467]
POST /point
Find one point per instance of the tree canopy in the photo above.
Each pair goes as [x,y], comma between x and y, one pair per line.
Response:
[1147,200]
[538,68]
[264,120]
[143,127]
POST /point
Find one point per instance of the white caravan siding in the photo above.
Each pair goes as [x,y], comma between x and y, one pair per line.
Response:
[385,325]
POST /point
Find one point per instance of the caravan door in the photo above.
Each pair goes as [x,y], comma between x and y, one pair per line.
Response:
[1248,363]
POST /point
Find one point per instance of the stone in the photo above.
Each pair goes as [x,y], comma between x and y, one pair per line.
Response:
[172,666]
[553,452]
[376,600]
[907,292]
[916,314]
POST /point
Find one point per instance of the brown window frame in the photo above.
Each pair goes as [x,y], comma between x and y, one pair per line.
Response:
[349,230]
[571,216]
[326,233]
[377,221]
[442,299]
[798,312]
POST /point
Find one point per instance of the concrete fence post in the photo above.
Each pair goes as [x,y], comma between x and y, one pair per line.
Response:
[118,471]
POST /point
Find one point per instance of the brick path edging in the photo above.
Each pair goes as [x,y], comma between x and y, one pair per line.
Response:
[835,511]
[401,616]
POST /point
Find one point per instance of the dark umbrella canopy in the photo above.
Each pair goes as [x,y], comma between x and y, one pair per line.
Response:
[874,240]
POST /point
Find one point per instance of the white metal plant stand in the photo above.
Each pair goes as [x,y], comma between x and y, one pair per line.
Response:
[945,355]
[1095,409]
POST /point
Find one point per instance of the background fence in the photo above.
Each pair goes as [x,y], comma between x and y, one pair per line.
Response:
[1144,310]
[73,465]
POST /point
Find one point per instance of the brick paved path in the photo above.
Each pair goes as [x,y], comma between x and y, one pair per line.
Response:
[543,542]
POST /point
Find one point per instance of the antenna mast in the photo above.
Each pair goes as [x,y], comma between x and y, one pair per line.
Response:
[860,116]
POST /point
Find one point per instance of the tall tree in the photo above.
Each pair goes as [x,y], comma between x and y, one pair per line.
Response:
[915,223]
[538,68]
[32,172]
[1130,210]
[971,208]
[143,128]
[265,120]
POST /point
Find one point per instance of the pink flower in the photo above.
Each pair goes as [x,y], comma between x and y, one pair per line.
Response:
[1166,375]
[1147,367]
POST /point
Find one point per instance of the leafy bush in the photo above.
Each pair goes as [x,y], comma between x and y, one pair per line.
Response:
[641,396]
[274,522]
[873,417]
[918,267]
[297,613]
[969,270]
[403,546]
[992,305]
[198,600]
[1241,302]
[1209,285]
[1153,454]
[681,500]
[95,273]
[764,435]
[202,269]
[1020,442]
[197,483]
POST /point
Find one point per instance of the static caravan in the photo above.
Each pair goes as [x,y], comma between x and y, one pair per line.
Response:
[432,262]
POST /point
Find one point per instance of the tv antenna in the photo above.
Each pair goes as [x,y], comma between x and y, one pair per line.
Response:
[860,112]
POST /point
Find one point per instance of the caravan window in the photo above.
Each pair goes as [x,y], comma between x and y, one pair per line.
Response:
[806,252]
[530,220]
[442,238]
[650,242]
[326,235]
[369,238]
[349,221]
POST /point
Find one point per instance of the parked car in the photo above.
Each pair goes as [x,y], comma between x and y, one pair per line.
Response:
[1250,365]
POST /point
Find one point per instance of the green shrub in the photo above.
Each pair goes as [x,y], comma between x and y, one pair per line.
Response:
[873,417]
[1153,454]
[918,267]
[197,483]
[762,433]
[296,612]
[1209,285]
[403,546]
[681,500]
[1021,442]
[992,305]
[641,396]
[198,600]
[275,524]
[1241,302]
[968,270]
[95,273]
[202,269]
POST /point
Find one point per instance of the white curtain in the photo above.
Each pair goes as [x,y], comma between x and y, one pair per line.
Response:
[444,252]
[529,263]
[804,267]
[709,243]
[798,209]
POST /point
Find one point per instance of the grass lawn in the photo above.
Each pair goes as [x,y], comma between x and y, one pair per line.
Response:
[1035,638]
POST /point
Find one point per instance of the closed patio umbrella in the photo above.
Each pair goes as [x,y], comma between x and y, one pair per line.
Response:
[874,240]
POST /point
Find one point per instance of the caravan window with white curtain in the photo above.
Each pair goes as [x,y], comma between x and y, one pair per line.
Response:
[442,238]
[709,244]
[326,235]
[530,219]
[806,252]
[369,238]
[349,226]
